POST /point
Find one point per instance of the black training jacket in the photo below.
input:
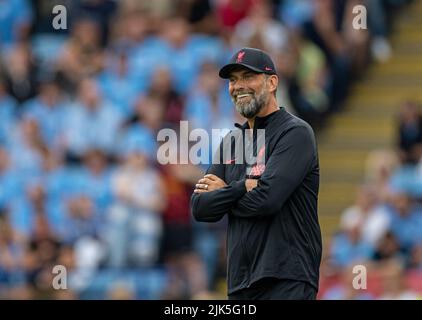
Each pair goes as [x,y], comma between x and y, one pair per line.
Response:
[273,230]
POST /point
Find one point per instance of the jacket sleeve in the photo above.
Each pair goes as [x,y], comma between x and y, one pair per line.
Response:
[212,206]
[285,170]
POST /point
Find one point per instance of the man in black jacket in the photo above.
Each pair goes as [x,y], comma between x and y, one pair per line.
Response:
[273,237]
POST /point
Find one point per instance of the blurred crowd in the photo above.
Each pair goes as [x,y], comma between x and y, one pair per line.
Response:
[383,229]
[80,109]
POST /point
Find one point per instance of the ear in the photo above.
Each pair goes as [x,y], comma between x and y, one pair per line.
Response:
[273,83]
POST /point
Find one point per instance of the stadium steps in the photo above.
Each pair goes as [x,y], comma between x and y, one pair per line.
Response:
[367,121]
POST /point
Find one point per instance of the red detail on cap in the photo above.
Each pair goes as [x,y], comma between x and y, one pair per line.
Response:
[240,56]
[268,69]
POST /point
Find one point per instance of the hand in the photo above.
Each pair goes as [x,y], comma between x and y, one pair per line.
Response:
[209,182]
[250,184]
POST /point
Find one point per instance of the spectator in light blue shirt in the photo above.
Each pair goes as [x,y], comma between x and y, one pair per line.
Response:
[184,61]
[134,225]
[144,59]
[48,108]
[81,219]
[348,246]
[94,179]
[118,84]
[57,177]
[10,181]
[294,13]
[177,50]
[138,138]
[92,122]
[406,220]
[15,20]
[25,147]
[209,106]
[32,202]
[57,181]
[7,113]
[171,49]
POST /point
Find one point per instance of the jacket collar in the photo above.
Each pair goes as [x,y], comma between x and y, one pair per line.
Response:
[260,122]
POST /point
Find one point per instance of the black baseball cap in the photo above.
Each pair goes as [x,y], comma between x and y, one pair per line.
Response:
[251,58]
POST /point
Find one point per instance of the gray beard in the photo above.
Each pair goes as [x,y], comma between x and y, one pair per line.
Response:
[252,108]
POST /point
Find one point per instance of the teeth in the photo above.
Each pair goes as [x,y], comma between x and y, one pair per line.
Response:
[243,95]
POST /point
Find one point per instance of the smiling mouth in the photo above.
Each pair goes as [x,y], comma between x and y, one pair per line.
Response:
[243,95]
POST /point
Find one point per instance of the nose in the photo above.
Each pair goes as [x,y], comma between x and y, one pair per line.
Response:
[239,85]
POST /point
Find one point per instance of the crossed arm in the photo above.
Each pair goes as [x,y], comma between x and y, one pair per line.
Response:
[211,182]
[213,198]
[286,168]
